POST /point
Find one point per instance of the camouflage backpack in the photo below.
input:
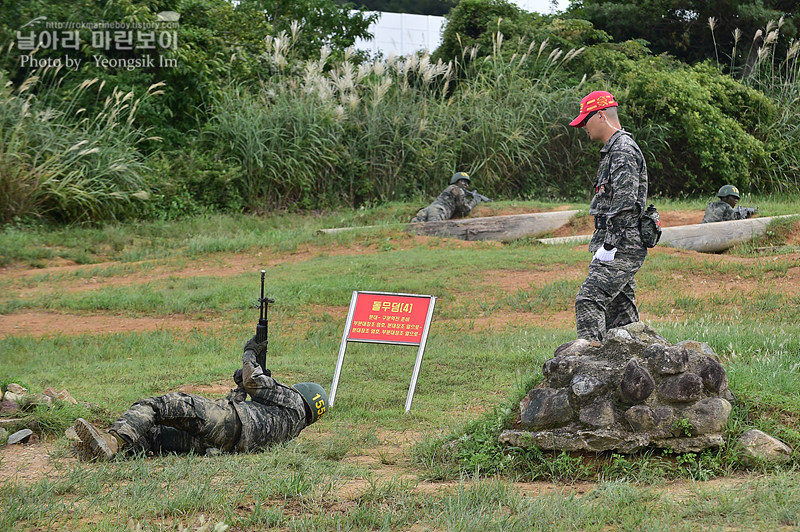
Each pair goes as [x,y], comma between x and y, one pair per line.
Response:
[650,227]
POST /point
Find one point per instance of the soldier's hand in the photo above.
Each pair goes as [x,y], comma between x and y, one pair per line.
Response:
[258,347]
[237,376]
[605,255]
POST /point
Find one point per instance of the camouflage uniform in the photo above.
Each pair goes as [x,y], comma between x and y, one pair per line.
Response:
[607,297]
[720,211]
[179,422]
[452,202]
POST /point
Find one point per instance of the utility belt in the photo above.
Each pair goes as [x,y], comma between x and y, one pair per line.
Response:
[600,222]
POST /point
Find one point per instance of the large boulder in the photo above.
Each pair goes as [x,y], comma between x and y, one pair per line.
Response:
[631,391]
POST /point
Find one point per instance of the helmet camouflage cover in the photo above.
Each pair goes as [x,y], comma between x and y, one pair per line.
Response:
[315,398]
[728,190]
[459,175]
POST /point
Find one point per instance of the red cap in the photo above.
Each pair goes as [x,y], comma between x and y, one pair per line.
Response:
[594,101]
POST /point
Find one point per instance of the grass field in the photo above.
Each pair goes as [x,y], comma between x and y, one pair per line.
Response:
[116,313]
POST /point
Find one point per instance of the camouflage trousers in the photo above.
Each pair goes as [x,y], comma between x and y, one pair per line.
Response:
[607,298]
[434,212]
[179,422]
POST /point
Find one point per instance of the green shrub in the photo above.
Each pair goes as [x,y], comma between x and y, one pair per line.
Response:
[191,181]
[56,162]
[706,143]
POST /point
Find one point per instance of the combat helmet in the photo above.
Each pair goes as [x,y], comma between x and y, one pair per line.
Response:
[315,398]
[459,175]
[728,190]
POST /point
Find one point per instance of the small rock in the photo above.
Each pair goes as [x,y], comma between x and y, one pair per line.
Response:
[3,434]
[21,436]
[598,415]
[620,335]
[637,384]
[672,361]
[573,348]
[16,388]
[558,371]
[760,446]
[32,400]
[63,395]
[708,416]
[8,407]
[683,388]
[13,396]
[643,418]
[585,386]
[700,347]
[653,351]
[636,327]
[713,374]
[547,408]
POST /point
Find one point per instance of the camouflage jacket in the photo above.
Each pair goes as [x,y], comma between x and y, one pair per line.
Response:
[275,414]
[719,211]
[620,194]
[455,202]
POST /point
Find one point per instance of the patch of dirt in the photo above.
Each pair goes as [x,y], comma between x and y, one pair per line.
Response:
[513,280]
[793,238]
[27,463]
[32,323]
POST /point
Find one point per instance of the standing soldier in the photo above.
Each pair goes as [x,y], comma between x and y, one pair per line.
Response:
[455,200]
[725,208]
[179,422]
[607,297]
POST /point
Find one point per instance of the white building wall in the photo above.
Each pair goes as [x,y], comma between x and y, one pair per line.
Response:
[404,33]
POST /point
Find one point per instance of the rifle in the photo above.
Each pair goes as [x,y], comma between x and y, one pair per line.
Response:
[745,212]
[262,329]
[479,197]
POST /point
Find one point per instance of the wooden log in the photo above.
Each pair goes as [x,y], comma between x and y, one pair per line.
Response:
[503,228]
[706,238]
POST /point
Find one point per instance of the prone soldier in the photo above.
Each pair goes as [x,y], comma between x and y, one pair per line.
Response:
[455,200]
[181,423]
[725,208]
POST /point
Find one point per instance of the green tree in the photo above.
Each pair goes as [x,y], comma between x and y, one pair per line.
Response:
[473,22]
[681,27]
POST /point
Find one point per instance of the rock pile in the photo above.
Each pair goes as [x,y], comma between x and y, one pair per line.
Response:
[15,401]
[633,390]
